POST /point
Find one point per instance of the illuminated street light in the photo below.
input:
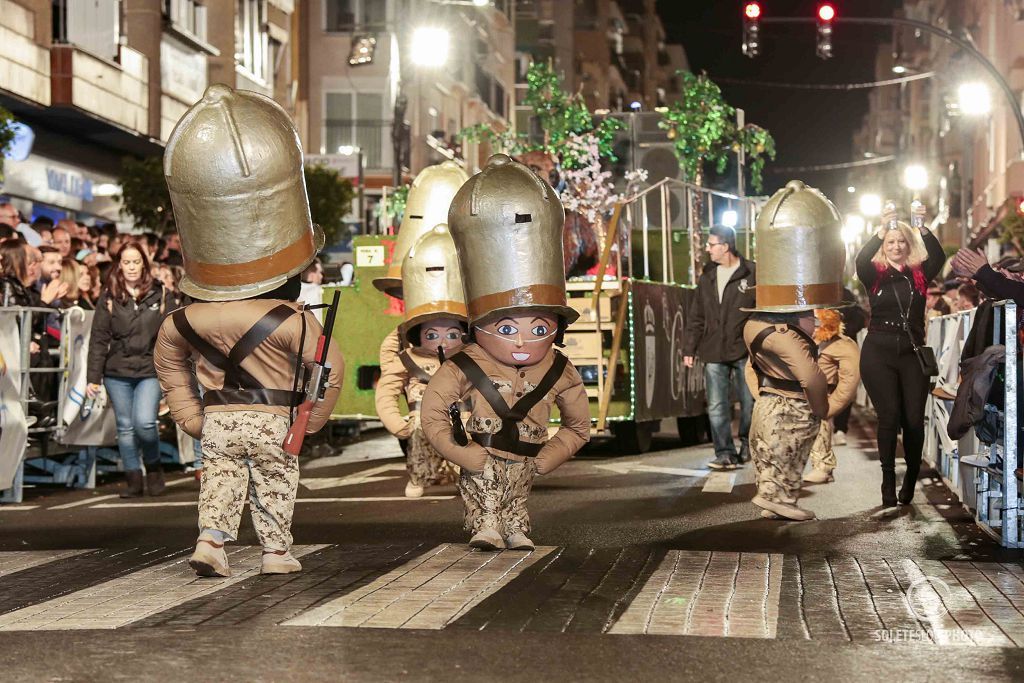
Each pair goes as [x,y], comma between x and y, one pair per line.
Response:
[871,205]
[730,218]
[974,99]
[851,189]
[481,3]
[853,228]
[430,46]
[915,177]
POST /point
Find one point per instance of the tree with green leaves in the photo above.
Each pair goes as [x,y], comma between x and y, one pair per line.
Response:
[330,200]
[6,136]
[703,129]
[144,194]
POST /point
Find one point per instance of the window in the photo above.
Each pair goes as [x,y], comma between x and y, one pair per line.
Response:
[189,15]
[348,15]
[356,119]
[252,45]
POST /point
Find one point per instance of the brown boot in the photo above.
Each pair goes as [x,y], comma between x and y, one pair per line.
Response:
[132,484]
[155,481]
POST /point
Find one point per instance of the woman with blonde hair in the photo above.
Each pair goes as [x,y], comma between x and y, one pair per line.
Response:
[79,283]
[896,266]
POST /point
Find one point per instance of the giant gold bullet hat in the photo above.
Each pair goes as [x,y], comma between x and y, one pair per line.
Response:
[431,281]
[234,170]
[430,195]
[800,252]
[507,226]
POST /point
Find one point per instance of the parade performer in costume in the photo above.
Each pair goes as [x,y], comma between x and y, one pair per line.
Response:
[435,321]
[234,170]
[800,267]
[839,359]
[507,226]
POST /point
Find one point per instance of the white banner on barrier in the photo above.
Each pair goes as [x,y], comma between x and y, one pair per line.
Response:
[13,429]
[83,423]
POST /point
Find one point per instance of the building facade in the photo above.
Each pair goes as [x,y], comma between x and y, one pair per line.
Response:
[92,82]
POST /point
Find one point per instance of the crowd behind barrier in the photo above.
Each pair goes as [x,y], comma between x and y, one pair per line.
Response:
[982,466]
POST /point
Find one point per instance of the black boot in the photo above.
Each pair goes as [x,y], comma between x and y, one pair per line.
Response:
[155,481]
[132,484]
[909,482]
[888,488]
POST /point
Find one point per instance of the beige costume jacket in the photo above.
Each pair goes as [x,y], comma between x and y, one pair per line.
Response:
[449,386]
[788,356]
[396,381]
[839,359]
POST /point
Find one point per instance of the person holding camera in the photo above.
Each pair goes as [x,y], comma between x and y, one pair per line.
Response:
[896,265]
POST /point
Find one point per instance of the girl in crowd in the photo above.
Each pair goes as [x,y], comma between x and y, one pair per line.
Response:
[128,316]
[896,266]
[79,282]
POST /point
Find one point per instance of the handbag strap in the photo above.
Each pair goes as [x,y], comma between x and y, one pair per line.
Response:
[903,314]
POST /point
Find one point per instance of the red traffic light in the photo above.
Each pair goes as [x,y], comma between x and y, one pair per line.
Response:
[826,12]
[752,10]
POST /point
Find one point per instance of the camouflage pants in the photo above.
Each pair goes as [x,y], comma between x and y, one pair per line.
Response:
[496,498]
[782,431]
[425,465]
[823,457]
[243,455]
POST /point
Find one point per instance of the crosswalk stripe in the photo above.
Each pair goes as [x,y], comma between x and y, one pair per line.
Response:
[719,482]
[136,596]
[17,508]
[428,592]
[86,501]
[20,560]
[192,503]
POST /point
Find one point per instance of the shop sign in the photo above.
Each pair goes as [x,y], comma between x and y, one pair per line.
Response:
[69,183]
[182,71]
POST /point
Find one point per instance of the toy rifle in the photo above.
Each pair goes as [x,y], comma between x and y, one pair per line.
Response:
[317,384]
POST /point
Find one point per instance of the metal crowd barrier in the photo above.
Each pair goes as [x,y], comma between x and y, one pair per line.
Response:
[983,476]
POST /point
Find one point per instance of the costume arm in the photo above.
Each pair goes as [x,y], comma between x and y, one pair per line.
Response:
[574,431]
[750,377]
[936,256]
[865,268]
[992,283]
[794,352]
[446,387]
[172,357]
[390,386]
[389,349]
[99,341]
[322,409]
[849,376]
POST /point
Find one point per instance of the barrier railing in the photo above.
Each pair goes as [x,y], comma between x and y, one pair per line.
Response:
[983,475]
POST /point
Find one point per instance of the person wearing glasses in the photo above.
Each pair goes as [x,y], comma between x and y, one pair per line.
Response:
[715,335]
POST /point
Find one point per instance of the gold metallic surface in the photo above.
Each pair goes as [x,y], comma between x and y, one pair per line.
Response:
[431,280]
[234,170]
[507,226]
[430,195]
[800,251]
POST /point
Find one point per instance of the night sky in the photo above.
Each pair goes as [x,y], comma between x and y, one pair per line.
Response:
[810,127]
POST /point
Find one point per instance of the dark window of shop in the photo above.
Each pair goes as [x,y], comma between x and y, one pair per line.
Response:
[348,15]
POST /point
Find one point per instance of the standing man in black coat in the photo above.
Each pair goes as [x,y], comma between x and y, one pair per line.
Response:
[715,334]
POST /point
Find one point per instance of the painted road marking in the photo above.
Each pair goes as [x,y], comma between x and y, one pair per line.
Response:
[193,503]
[17,508]
[708,594]
[87,501]
[429,592]
[379,447]
[629,468]
[364,477]
[720,482]
[136,596]
[20,560]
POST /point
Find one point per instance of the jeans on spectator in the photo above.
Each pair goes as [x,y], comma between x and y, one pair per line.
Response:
[136,401]
[719,379]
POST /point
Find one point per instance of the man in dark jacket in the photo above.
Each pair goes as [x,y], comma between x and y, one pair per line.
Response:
[715,334]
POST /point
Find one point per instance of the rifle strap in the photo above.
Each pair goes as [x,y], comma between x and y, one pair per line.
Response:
[411,367]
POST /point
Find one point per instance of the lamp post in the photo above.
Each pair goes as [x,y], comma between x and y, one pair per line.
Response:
[974,101]
[349,150]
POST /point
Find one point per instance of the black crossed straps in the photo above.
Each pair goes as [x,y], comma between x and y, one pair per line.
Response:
[240,387]
[507,439]
[411,367]
[765,380]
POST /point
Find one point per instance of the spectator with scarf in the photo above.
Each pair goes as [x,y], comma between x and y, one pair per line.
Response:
[896,266]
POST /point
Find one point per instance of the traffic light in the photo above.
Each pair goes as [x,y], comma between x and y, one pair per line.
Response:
[751,29]
[826,15]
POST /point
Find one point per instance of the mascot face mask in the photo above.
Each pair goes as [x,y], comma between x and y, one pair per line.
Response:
[520,340]
[441,333]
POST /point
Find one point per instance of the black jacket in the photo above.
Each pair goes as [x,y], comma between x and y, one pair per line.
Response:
[714,330]
[885,307]
[124,334]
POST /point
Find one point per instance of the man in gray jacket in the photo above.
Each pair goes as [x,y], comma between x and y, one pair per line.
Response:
[715,334]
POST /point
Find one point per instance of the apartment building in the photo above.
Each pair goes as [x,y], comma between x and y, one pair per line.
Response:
[92,82]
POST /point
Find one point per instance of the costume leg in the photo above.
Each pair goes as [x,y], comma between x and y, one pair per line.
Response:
[481,497]
[519,480]
[782,444]
[274,479]
[823,457]
[225,474]
[417,459]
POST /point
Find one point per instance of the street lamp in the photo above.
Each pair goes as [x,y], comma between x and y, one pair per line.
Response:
[871,205]
[853,228]
[974,99]
[729,218]
[915,177]
[429,46]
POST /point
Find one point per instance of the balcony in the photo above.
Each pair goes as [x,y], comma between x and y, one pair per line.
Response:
[24,65]
[116,92]
[372,137]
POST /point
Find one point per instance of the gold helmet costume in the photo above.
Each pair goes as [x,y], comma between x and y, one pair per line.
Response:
[432,281]
[507,226]
[430,195]
[800,252]
[234,170]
